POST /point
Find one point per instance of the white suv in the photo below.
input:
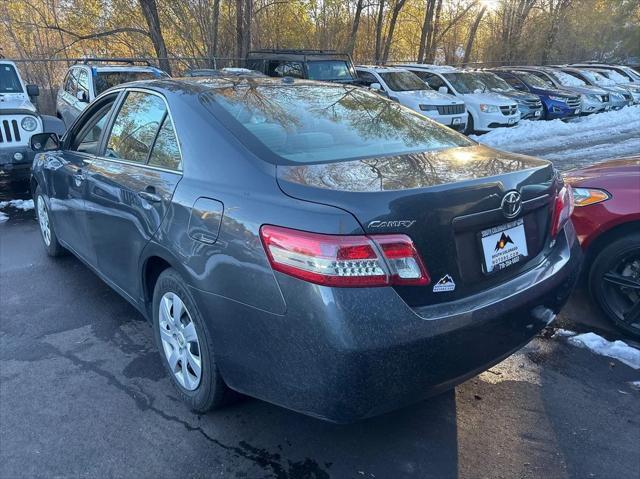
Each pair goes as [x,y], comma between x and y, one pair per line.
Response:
[18,121]
[487,110]
[85,81]
[407,89]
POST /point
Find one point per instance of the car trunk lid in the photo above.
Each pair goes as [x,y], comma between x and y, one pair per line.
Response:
[443,200]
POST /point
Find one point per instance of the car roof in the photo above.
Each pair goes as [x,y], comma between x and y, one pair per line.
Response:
[430,67]
[300,55]
[381,68]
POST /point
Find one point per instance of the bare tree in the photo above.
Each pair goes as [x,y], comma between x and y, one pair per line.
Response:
[472,35]
[150,13]
[379,27]
[427,26]
[557,14]
[392,26]
[351,43]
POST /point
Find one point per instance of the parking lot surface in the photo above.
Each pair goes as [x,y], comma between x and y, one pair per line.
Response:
[83,394]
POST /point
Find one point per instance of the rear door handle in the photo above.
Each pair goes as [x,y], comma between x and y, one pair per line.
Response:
[149,194]
[78,177]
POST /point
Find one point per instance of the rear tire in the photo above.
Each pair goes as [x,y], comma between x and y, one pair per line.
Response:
[184,342]
[617,263]
[47,229]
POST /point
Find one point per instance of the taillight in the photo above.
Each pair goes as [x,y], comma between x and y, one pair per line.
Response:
[562,210]
[347,261]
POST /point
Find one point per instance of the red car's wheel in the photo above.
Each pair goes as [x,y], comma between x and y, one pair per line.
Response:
[614,282]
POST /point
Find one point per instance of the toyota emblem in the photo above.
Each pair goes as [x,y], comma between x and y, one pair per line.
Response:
[511,204]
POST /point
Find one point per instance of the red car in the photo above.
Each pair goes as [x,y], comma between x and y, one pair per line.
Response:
[607,220]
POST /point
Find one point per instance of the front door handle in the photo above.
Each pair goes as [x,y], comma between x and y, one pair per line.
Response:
[78,177]
[149,194]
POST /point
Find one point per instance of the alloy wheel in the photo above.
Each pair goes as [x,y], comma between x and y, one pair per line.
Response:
[622,290]
[43,220]
[180,341]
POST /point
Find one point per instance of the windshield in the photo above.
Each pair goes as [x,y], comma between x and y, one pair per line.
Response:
[632,73]
[9,81]
[616,77]
[567,80]
[106,79]
[329,70]
[597,79]
[534,80]
[326,123]
[464,82]
[403,81]
[494,82]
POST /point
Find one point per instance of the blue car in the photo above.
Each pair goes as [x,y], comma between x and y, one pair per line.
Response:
[556,103]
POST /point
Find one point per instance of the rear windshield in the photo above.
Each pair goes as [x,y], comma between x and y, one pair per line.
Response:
[329,70]
[9,81]
[105,80]
[326,123]
[403,81]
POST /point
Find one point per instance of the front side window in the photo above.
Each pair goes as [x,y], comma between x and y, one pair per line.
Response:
[567,79]
[533,80]
[89,131]
[9,80]
[165,153]
[286,69]
[544,78]
[433,81]
[367,78]
[322,123]
[135,127]
[329,70]
[403,81]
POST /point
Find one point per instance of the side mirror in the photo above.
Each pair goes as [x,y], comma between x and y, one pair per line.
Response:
[443,89]
[45,142]
[82,96]
[376,86]
[33,90]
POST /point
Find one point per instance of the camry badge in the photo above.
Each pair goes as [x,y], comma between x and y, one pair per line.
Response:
[511,204]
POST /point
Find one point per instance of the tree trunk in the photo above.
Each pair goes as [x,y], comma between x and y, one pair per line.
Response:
[239,29]
[351,43]
[430,53]
[213,33]
[392,26]
[246,30]
[379,25]
[427,25]
[150,12]
[472,36]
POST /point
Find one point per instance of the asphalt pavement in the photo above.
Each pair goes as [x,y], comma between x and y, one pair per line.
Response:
[83,394]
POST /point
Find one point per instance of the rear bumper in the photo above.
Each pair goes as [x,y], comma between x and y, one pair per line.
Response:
[345,354]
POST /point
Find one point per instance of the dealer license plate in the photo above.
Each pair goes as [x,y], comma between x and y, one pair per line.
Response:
[504,245]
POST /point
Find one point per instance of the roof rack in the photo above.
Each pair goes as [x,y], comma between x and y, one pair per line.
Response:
[305,51]
[130,61]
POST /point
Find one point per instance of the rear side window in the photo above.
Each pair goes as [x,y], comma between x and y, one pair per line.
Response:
[83,83]
[434,81]
[135,127]
[366,77]
[286,69]
[107,79]
[165,153]
[71,84]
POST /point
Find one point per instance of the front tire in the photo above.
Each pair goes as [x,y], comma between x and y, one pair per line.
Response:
[614,282]
[184,343]
[470,128]
[47,230]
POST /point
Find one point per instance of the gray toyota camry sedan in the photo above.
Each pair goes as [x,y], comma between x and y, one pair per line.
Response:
[310,244]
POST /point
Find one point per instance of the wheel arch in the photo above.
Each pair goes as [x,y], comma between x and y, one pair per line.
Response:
[607,237]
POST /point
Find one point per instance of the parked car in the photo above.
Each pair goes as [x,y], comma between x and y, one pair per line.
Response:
[626,74]
[19,119]
[406,88]
[314,245]
[86,80]
[556,103]
[594,99]
[620,81]
[324,65]
[618,96]
[223,72]
[530,105]
[607,220]
[487,110]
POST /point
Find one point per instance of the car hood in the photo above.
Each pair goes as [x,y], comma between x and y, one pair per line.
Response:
[16,101]
[623,167]
[487,97]
[430,96]
[516,95]
[585,90]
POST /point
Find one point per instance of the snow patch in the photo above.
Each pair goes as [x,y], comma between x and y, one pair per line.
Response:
[617,349]
[3,217]
[563,333]
[24,205]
